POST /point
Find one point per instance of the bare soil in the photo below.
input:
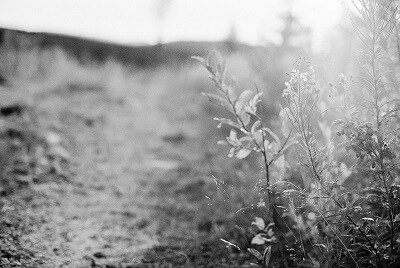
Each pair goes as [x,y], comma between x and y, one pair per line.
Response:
[140,164]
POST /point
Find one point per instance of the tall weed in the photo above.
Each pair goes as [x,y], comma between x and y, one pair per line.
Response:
[329,200]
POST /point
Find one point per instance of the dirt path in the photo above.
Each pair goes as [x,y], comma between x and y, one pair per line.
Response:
[105,212]
[136,193]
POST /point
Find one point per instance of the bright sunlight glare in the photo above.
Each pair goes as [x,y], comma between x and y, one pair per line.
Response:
[150,21]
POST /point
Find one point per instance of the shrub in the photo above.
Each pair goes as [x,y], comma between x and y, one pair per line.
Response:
[330,201]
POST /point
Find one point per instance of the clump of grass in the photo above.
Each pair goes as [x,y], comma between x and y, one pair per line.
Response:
[346,210]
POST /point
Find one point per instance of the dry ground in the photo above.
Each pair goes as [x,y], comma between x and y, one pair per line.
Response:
[141,161]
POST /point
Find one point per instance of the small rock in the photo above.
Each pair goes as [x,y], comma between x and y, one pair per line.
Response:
[143,223]
[99,255]
[175,138]
[204,226]
[89,122]
[10,110]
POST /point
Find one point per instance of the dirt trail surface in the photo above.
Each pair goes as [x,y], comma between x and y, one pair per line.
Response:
[134,192]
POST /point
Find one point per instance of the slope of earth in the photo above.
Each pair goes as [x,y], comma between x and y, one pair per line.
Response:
[141,161]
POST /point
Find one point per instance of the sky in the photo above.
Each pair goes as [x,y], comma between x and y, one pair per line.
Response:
[146,22]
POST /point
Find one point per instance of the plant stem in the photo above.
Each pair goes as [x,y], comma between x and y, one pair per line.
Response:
[261,148]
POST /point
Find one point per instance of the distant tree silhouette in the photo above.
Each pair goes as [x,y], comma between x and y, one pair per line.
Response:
[231,40]
[294,34]
[161,8]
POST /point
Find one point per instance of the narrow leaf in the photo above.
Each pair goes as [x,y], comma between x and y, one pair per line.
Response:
[213,60]
[231,152]
[233,89]
[218,100]
[222,69]
[258,240]
[243,153]
[233,136]
[242,100]
[280,162]
[228,122]
[367,219]
[229,244]
[273,135]
[245,118]
[259,222]
[255,253]
[273,147]
[199,59]
[266,256]
[255,126]
[266,144]
[258,137]
[256,99]
[251,105]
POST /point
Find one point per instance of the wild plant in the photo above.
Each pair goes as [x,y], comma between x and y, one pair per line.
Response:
[346,211]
